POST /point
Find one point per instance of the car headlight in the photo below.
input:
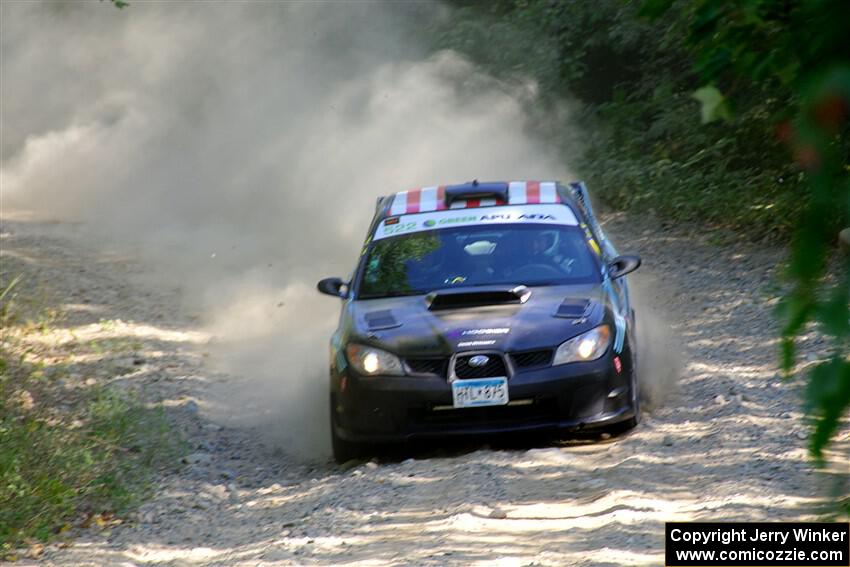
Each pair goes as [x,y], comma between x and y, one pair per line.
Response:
[371,361]
[587,346]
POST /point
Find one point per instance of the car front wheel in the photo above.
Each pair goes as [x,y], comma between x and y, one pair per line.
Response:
[632,422]
[344,450]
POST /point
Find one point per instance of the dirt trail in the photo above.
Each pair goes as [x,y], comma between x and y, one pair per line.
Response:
[729,445]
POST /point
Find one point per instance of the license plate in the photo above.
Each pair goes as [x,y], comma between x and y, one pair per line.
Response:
[480,392]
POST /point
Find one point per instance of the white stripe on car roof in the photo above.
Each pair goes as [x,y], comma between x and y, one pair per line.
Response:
[548,193]
[428,199]
[516,193]
[399,204]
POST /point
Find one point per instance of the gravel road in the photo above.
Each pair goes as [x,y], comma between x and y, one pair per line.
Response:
[727,443]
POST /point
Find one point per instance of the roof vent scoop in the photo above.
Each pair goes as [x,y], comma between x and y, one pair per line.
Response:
[573,308]
[476,190]
[477,297]
[378,320]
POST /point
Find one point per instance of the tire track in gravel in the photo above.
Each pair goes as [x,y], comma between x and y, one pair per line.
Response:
[729,445]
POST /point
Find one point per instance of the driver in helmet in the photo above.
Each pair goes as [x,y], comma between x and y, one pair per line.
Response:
[533,246]
[539,245]
[525,248]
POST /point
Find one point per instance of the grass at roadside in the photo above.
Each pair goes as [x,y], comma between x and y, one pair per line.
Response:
[73,451]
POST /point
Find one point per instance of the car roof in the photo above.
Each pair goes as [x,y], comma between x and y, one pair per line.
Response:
[472,194]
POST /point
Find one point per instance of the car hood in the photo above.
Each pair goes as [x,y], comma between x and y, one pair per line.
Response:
[408,327]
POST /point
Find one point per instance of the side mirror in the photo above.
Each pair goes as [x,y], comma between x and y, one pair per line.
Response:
[623,265]
[333,286]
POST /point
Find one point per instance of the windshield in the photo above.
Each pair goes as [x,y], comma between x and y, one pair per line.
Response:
[467,256]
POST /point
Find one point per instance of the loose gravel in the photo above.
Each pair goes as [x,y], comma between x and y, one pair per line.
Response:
[725,442]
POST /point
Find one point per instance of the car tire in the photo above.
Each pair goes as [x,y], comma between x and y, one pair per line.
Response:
[342,449]
[632,422]
[635,401]
[628,425]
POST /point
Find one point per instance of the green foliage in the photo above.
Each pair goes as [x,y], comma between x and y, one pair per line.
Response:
[53,472]
[828,395]
[801,48]
[50,475]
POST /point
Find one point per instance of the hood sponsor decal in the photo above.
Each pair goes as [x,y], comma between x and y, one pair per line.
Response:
[484,334]
[475,343]
[493,331]
[506,214]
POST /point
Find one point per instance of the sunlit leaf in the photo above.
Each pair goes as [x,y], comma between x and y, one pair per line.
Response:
[713,105]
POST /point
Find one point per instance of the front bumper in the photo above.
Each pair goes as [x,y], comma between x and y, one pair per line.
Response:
[570,397]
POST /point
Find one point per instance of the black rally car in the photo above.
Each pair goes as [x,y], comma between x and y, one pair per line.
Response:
[482,308]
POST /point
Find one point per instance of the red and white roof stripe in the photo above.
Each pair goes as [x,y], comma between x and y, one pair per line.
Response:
[425,199]
[419,200]
[532,192]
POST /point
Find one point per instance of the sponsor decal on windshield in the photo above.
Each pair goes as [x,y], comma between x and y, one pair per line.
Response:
[542,214]
[397,228]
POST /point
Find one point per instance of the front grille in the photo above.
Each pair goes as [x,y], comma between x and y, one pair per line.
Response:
[532,358]
[495,366]
[436,366]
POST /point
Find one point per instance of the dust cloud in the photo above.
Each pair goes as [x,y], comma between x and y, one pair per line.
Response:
[240,146]
[660,352]
[661,361]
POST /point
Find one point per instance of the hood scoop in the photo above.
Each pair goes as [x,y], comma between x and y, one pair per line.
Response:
[477,297]
[572,308]
[379,320]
